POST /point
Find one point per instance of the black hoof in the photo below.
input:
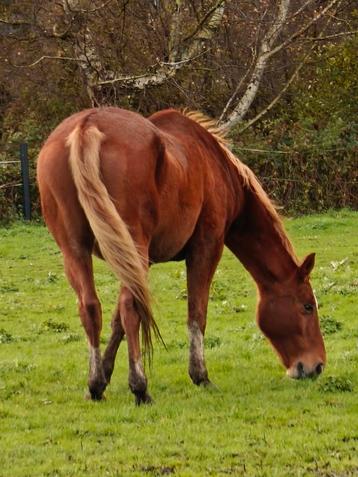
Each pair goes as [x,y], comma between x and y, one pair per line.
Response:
[93,396]
[142,397]
[200,379]
[96,390]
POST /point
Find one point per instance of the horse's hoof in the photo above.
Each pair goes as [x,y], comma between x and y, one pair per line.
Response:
[94,396]
[202,380]
[143,398]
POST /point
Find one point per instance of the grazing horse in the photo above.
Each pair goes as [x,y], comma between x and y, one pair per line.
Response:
[138,191]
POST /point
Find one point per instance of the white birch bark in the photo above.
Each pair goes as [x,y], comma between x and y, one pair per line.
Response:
[263,56]
[267,50]
[182,52]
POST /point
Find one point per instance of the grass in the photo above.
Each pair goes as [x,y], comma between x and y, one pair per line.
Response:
[257,422]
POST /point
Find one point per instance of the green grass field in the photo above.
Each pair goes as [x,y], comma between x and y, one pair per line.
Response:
[257,422]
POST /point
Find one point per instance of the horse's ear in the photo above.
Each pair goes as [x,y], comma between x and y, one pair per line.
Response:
[307,265]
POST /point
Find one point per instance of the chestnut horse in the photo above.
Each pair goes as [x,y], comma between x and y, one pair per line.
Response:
[138,191]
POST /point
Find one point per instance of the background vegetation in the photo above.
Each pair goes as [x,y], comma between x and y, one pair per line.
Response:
[257,423]
[281,75]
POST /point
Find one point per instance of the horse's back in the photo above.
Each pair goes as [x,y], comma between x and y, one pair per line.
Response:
[145,170]
[127,156]
[167,177]
[125,132]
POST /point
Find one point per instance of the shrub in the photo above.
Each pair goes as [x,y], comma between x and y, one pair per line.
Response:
[310,144]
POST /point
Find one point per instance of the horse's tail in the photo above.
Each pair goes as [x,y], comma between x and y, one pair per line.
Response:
[111,232]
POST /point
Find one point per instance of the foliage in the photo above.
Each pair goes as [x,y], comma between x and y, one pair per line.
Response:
[333,384]
[330,325]
[10,192]
[256,422]
[5,337]
[311,142]
[54,326]
[10,174]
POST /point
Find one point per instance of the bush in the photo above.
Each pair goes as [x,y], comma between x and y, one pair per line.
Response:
[304,153]
[304,169]
[310,146]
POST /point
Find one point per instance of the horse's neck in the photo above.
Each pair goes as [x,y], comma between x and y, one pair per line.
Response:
[258,240]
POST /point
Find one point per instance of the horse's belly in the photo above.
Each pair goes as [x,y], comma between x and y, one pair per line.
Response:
[171,237]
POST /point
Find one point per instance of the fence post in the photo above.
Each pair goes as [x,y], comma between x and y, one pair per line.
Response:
[25,176]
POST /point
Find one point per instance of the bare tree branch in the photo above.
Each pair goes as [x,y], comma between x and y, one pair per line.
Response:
[70,6]
[299,32]
[203,21]
[301,9]
[47,57]
[278,97]
[264,53]
[289,82]
[14,23]
[93,10]
[179,56]
[333,36]
[165,71]
[237,89]
[83,48]
[267,50]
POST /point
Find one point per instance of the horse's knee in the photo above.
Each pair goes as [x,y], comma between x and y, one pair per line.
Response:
[92,309]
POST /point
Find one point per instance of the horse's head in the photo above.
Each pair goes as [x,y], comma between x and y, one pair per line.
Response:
[287,315]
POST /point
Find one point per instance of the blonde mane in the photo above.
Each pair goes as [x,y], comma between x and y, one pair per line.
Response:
[249,179]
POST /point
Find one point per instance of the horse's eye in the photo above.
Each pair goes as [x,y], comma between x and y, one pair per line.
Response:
[308,307]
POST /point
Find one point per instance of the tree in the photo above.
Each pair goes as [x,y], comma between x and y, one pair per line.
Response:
[134,52]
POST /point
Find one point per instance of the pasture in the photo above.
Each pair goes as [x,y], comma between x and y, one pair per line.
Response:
[257,422]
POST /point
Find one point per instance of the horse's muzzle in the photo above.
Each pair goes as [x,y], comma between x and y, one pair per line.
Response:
[300,371]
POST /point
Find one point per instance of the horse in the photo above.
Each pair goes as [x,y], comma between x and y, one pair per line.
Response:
[137,191]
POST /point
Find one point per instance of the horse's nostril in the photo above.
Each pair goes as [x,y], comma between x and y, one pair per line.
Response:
[319,368]
[300,369]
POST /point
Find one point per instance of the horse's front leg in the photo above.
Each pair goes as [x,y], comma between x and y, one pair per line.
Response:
[201,264]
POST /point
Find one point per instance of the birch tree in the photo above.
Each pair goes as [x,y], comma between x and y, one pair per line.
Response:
[269,47]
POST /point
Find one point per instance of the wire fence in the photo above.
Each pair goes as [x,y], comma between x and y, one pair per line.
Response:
[293,151]
[9,162]
[24,173]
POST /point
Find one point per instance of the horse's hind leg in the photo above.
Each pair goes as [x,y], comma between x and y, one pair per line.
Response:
[131,323]
[126,321]
[78,267]
[201,264]
[113,345]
